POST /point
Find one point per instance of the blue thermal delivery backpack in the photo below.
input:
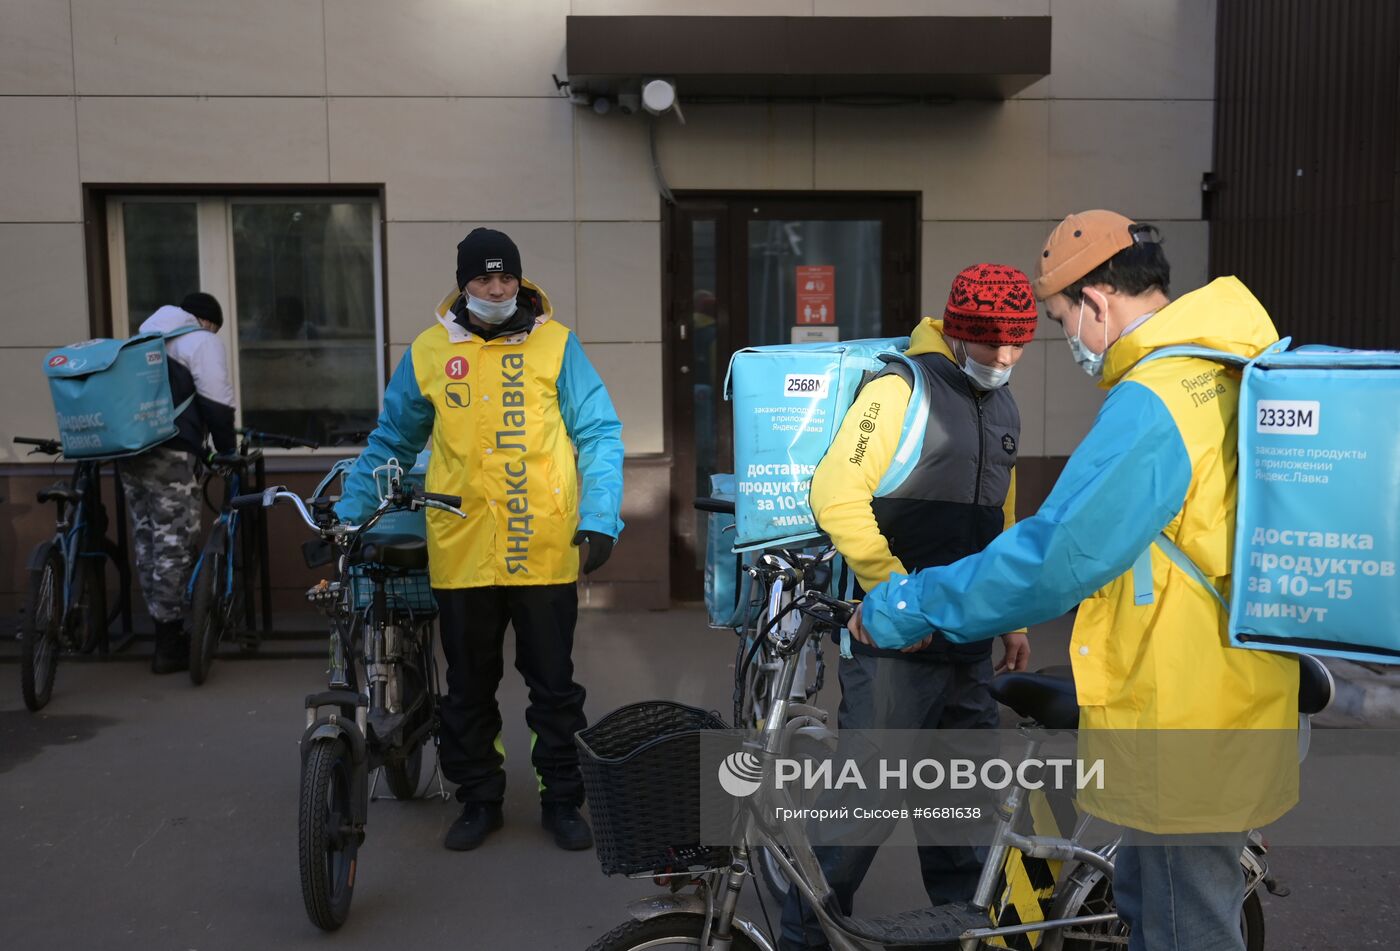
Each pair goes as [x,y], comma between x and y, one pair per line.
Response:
[1317,530]
[789,401]
[728,588]
[112,397]
[731,599]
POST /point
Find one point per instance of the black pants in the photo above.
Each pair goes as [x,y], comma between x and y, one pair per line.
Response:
[473,623]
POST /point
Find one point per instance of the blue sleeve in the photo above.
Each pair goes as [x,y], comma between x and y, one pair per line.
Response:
[596,433]
[401,433]
[1120,488]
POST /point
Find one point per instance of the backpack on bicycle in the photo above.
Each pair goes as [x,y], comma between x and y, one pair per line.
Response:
[112,397]
[789,400]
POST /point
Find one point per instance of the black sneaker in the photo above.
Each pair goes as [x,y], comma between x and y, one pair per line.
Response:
[172,650]
[570,830]
[477,821]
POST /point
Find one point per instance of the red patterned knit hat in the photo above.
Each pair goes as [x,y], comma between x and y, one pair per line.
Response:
[991,304]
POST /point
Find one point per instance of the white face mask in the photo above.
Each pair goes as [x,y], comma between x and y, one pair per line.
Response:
[490,312]
[985,377]
[1089,361]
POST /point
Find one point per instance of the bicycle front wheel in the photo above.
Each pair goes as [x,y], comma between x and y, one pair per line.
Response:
[42,628]
[206,616]
[326,837]
[664,931]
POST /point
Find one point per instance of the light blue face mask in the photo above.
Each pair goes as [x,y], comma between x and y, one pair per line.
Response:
[984,377]
[1089,361]
[491,312]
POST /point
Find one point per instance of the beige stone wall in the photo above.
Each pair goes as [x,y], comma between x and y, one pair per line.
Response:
[451,106]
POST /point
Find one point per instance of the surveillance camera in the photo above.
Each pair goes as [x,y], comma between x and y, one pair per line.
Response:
[658,96]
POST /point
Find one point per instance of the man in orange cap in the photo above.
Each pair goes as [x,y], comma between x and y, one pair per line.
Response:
[1138,532]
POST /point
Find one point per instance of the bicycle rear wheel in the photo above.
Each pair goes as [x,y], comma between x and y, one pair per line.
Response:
[42,629]
[326,837]
[404,774]
[206,615]
[90,600]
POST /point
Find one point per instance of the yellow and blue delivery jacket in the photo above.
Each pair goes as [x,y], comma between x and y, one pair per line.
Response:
[1199,736]
[505,418]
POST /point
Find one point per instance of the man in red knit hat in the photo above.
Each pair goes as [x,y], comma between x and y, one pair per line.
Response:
[959,496]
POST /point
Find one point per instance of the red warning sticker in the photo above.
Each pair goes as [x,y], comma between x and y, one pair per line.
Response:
[457,368]
[58,361]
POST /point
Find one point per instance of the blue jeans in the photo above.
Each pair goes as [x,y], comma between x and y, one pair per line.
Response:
[1180,892]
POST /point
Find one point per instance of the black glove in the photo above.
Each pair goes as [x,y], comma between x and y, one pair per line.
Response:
[600,548]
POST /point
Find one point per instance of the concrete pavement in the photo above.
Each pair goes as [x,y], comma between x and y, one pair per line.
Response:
[142,813]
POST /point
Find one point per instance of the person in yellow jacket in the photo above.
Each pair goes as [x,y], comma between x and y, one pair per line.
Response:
[506,396]
[958,496]
[1199,738]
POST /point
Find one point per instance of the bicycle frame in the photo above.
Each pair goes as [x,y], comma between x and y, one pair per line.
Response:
[785,577]
[720,889]
[71,530]
[229,538]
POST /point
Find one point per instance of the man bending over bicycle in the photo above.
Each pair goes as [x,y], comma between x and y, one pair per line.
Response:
[161,488]
[506,394]
[960,495]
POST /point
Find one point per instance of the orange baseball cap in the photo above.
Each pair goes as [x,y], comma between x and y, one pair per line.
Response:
[1079,244]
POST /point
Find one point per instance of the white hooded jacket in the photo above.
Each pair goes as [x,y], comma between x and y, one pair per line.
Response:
[198,367]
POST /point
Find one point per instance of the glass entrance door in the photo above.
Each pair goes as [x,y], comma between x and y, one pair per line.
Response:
[756,271]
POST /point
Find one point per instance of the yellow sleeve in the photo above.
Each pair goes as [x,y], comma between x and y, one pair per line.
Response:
[1008,508]
[845,481]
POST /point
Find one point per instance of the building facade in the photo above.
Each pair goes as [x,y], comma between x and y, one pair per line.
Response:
[314,162]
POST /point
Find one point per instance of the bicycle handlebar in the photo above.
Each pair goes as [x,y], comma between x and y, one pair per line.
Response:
[49,447]
[407,498]
[706,503]
[349,435]
[277,439]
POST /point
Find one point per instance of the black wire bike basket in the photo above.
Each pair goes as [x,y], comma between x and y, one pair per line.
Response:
[641,768]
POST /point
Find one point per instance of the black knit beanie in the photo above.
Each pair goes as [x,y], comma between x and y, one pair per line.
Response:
[485,252]
[203,306]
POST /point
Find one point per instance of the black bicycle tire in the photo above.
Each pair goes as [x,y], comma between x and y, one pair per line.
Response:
[327,893]
[634,934]
[36,684]
[91,603]
[404,775]
[115,611]
[206,617]
[1252,920]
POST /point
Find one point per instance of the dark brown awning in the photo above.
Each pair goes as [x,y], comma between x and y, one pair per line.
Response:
[725,56]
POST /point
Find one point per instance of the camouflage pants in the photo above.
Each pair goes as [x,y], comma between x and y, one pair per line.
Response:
[163,497]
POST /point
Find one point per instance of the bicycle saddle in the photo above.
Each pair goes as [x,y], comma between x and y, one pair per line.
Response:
[58,491]
[1046,697]
[1316,688]
[407,552]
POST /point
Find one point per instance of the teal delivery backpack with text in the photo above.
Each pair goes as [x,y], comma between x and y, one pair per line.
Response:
[789,400]
[1317,528]
[112,397]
